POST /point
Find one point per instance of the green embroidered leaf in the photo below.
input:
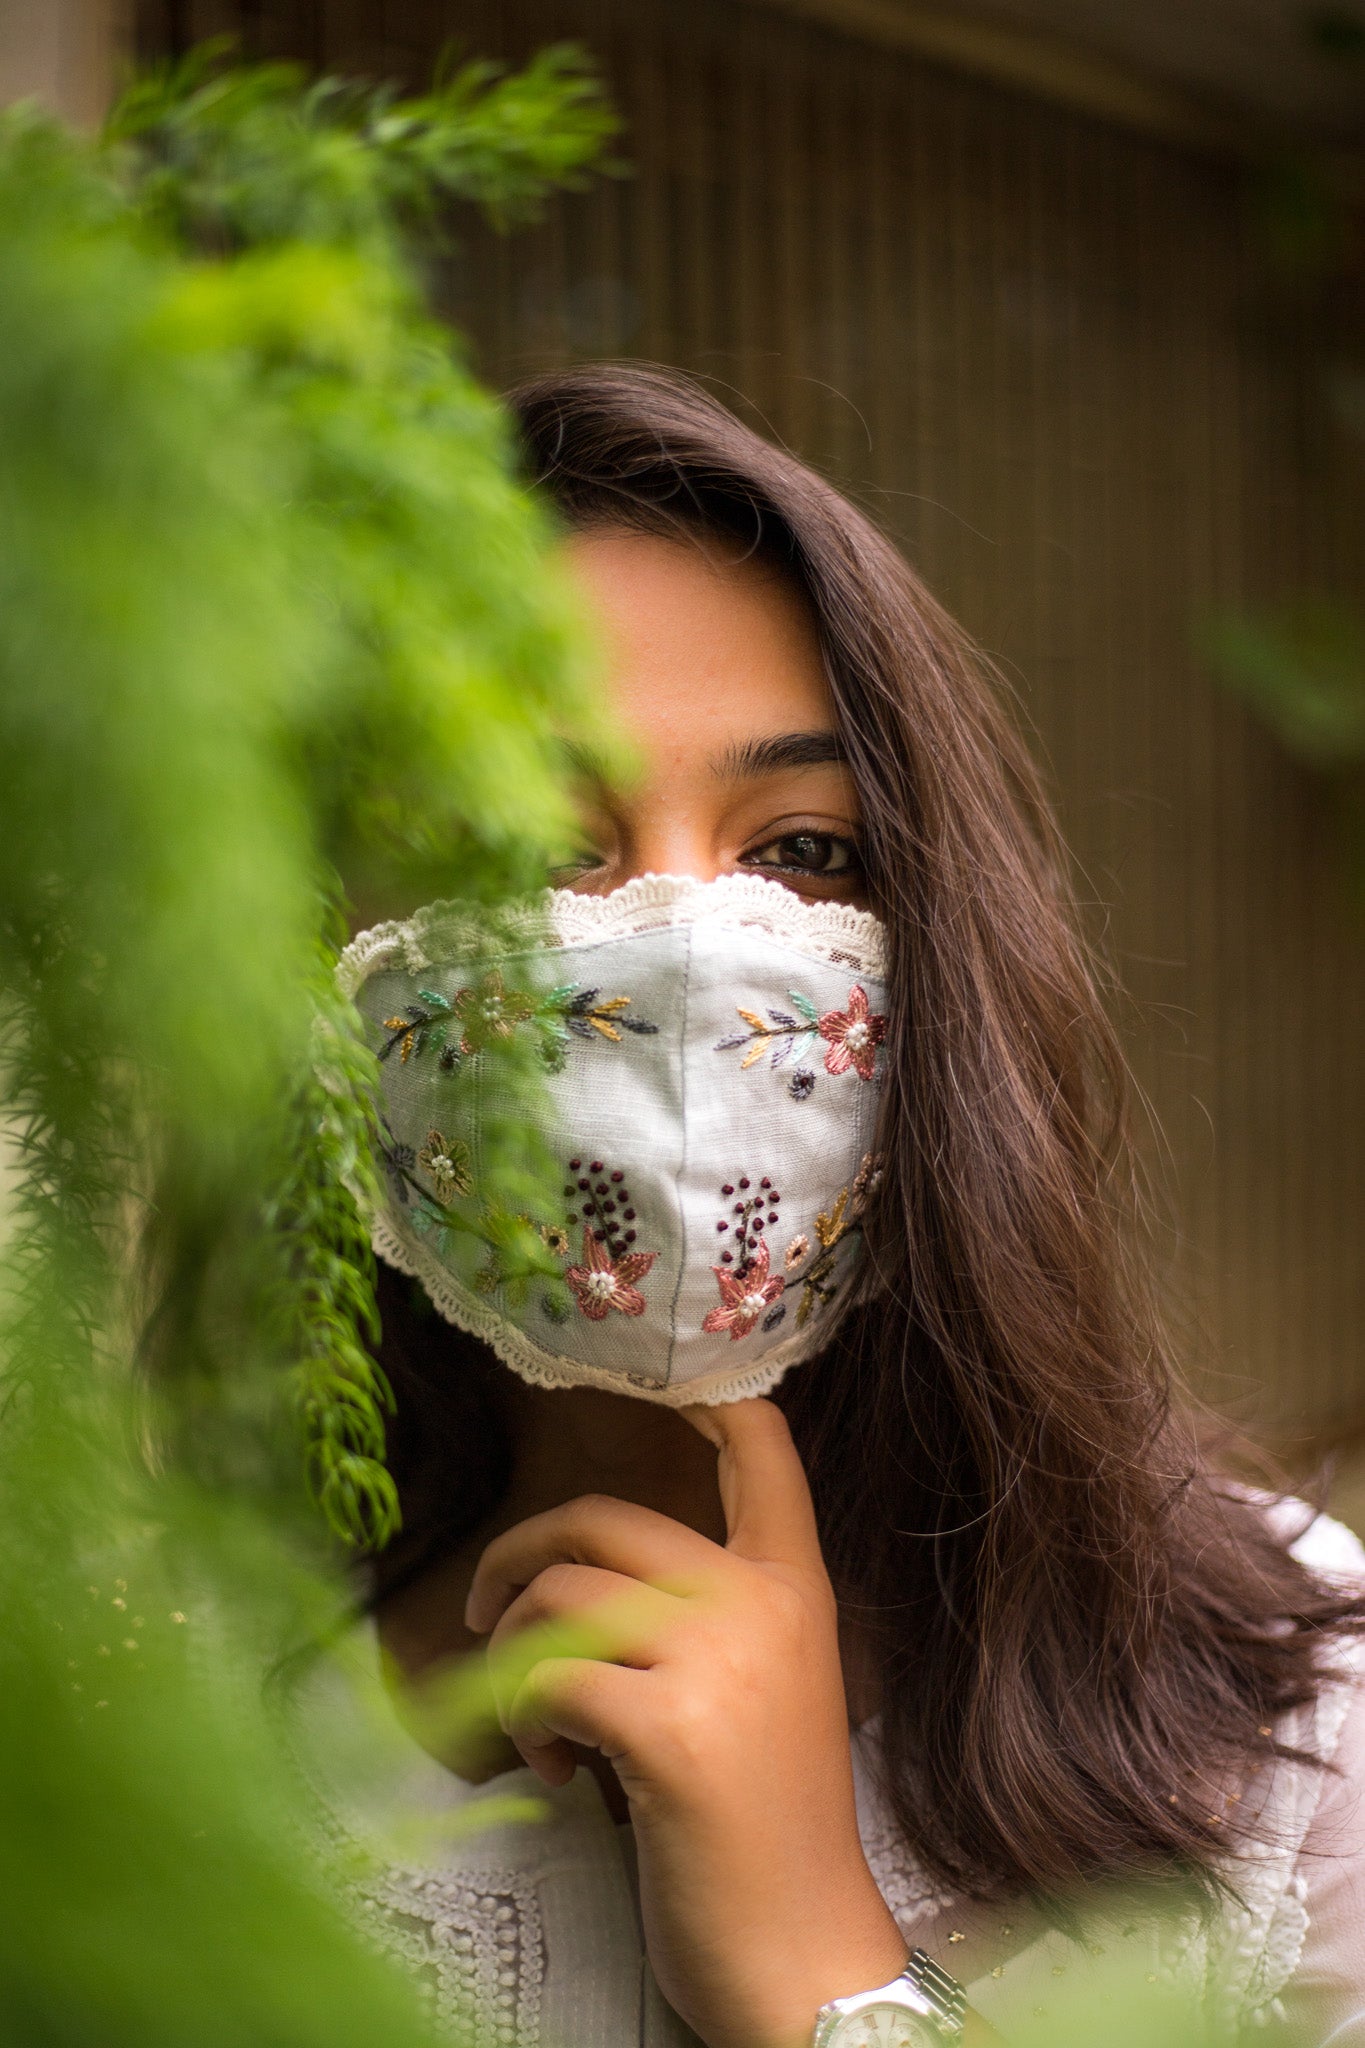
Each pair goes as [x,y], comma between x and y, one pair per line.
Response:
[804,1007]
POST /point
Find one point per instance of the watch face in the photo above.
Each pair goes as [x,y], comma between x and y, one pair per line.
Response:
[885,2026]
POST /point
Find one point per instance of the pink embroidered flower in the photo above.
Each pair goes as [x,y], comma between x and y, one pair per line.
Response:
[743,1295]
[603,1283]
[854,1035]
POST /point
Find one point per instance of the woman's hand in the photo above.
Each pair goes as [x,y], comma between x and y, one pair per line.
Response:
[714,1688]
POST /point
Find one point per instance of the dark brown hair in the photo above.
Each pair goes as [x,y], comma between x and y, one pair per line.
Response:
[1076,1631]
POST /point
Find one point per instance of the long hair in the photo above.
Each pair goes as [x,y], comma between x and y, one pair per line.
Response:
[1076,1633]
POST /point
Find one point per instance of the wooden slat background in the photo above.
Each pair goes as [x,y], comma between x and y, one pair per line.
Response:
[1029,342]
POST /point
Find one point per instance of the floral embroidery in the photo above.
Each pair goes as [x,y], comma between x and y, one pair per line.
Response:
[744,1295]
[796,1250]
[841,1220]
[421,1024]
[606,1278]
[853,1035]
[475,1018]
[447,1163]
[584,1014]
[555,1240]
[517,1250]
[603,1283]
[489,1011]
[749,1289]
[782,1033]
[399,1160]
[511,1258]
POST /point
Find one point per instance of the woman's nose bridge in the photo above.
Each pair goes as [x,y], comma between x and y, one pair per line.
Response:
[666,839]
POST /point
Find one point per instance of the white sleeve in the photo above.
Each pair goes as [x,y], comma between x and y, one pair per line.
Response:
[1325,1999]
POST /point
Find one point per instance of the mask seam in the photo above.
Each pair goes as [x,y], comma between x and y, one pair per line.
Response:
[680,1175]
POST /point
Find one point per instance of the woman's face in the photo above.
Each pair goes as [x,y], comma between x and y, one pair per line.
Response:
[715,676]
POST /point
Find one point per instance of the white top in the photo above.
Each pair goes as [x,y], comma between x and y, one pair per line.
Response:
[536,1921]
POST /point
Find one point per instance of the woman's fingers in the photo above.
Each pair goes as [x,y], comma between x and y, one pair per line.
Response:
[614,1535]
[769,1516]
[577,1610]
[562,1700]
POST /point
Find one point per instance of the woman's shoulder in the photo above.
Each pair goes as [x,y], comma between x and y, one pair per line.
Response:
[1285,1938]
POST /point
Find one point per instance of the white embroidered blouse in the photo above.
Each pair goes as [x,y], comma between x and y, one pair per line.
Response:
[534,1925]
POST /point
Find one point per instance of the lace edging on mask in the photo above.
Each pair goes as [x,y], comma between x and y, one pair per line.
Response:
[835,932]
[546,1369]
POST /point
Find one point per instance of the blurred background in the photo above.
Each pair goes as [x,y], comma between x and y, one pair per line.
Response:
[1069,293]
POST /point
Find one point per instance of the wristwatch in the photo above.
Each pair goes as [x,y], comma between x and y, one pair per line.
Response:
[923,2008]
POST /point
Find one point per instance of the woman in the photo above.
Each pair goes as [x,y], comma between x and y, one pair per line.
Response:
[975,1528]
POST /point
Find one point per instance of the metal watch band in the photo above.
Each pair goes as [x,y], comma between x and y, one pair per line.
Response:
[939,1990]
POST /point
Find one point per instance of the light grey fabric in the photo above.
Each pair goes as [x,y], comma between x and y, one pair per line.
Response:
[709,1115]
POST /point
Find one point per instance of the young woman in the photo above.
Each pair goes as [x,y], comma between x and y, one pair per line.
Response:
[956,1630]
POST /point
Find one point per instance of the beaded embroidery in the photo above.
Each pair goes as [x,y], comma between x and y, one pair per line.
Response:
[605,1279]
[447,1162]
[747,1289]
[473,1942]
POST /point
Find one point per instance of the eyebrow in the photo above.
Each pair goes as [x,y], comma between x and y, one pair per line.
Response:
[779,750]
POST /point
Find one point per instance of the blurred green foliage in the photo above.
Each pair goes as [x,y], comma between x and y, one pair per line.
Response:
[272,607]
[1299,662]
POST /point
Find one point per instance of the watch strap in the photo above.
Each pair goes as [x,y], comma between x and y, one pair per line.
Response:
[939,1990]
[922,1988]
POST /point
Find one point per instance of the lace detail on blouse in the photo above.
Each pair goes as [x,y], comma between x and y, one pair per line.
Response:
[474,1944]
[901,1879]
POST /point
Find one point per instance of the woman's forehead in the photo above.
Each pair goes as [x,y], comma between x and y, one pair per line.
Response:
[701,647]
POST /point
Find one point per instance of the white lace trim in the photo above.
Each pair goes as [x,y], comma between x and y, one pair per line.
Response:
[903,1882]
[473,1943]
[552,1369]
[833,932]
[472,1938]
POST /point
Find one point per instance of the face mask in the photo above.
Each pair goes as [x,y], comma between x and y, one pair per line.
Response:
[712,1054]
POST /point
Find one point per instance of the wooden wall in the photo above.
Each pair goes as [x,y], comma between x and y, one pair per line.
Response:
[1029,341]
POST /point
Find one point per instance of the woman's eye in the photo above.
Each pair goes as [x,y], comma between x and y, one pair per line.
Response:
[580,863]
[806,853]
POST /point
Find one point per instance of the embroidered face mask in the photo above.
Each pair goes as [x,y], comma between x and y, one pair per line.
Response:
[712,1056]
